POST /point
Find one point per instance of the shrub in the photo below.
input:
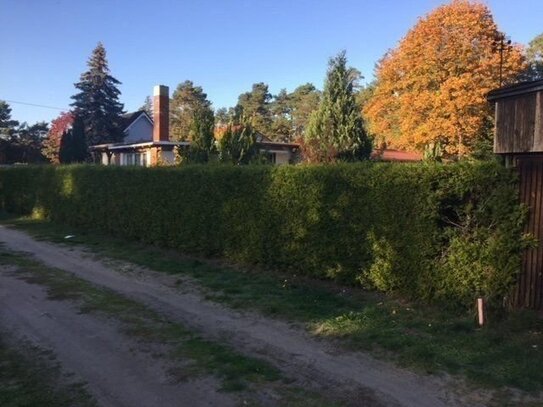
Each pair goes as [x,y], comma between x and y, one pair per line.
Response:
[428,231]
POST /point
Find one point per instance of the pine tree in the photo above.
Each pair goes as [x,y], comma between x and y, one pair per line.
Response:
[304,101]
[79,142]
[147,106]
[534,56]
[281,113]
[65,149]
[26,143]
[201,136]
[254,106]
[237,144]
[223,116]
[97,103]
[186,100]
[336,129]
[7,126]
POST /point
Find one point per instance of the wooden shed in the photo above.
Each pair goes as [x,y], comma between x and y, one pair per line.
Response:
[519,138]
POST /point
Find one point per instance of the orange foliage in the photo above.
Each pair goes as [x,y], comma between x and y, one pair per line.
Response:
[220,131]
[432,87]
[51,144]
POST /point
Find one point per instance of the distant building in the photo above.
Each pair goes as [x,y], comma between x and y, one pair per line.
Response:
[391,155]
[147,140]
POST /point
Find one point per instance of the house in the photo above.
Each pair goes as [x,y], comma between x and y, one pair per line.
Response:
[147,140]
[390,155]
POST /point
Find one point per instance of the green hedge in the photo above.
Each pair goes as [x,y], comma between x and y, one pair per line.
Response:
[429,231]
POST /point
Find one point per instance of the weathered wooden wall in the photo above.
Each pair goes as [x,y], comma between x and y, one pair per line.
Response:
[519,138]
[529,289]
[518,124]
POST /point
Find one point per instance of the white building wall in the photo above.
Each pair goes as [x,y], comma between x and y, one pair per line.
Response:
[140,130]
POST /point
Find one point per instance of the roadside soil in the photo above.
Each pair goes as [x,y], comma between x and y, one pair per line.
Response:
[121,373]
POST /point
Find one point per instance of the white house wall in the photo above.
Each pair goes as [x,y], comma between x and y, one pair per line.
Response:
[140,130]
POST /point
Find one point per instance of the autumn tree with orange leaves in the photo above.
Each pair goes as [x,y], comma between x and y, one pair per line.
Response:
[430,92]
[51,144]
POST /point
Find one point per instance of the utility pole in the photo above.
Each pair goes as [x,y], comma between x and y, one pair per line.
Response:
[503,44]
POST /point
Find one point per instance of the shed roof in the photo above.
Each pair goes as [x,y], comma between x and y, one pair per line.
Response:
[515,90]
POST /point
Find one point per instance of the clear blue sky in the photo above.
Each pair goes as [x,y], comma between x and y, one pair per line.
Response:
[222,45]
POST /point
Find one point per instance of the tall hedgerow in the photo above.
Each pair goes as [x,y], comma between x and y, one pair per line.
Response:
[432,232]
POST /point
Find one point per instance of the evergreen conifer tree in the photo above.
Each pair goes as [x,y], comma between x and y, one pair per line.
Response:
[97,102]
[7,126]
[79,143]
[65,150]
[238,144]
[201,136]
[188,102]
[73,145]
[147,106]
[336,129]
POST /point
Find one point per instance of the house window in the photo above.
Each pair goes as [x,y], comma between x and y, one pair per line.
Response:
[138,159]
[143,159]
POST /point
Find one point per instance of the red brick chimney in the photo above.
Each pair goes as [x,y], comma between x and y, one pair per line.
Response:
[161,113]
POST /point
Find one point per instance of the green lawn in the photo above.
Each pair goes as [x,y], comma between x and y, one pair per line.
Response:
[505,353]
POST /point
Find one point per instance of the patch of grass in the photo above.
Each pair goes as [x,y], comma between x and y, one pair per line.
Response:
[498,355]
[508,352]
[28,377]
[214,357]
[303,398]
[287,296]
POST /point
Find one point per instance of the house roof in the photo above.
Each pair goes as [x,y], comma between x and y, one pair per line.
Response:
[396,155]
[277,144]
[121,146]
[516,89]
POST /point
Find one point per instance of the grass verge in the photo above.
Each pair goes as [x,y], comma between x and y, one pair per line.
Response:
[30,377]
[508,352]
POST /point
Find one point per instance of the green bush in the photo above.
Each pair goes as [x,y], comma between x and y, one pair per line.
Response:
[432,232]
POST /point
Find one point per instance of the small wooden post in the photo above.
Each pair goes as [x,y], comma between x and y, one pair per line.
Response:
[481,311]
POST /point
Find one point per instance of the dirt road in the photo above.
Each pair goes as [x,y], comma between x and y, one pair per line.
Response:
[119,372]
[23,308]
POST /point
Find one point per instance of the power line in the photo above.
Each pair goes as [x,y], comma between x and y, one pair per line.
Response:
[36,105]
